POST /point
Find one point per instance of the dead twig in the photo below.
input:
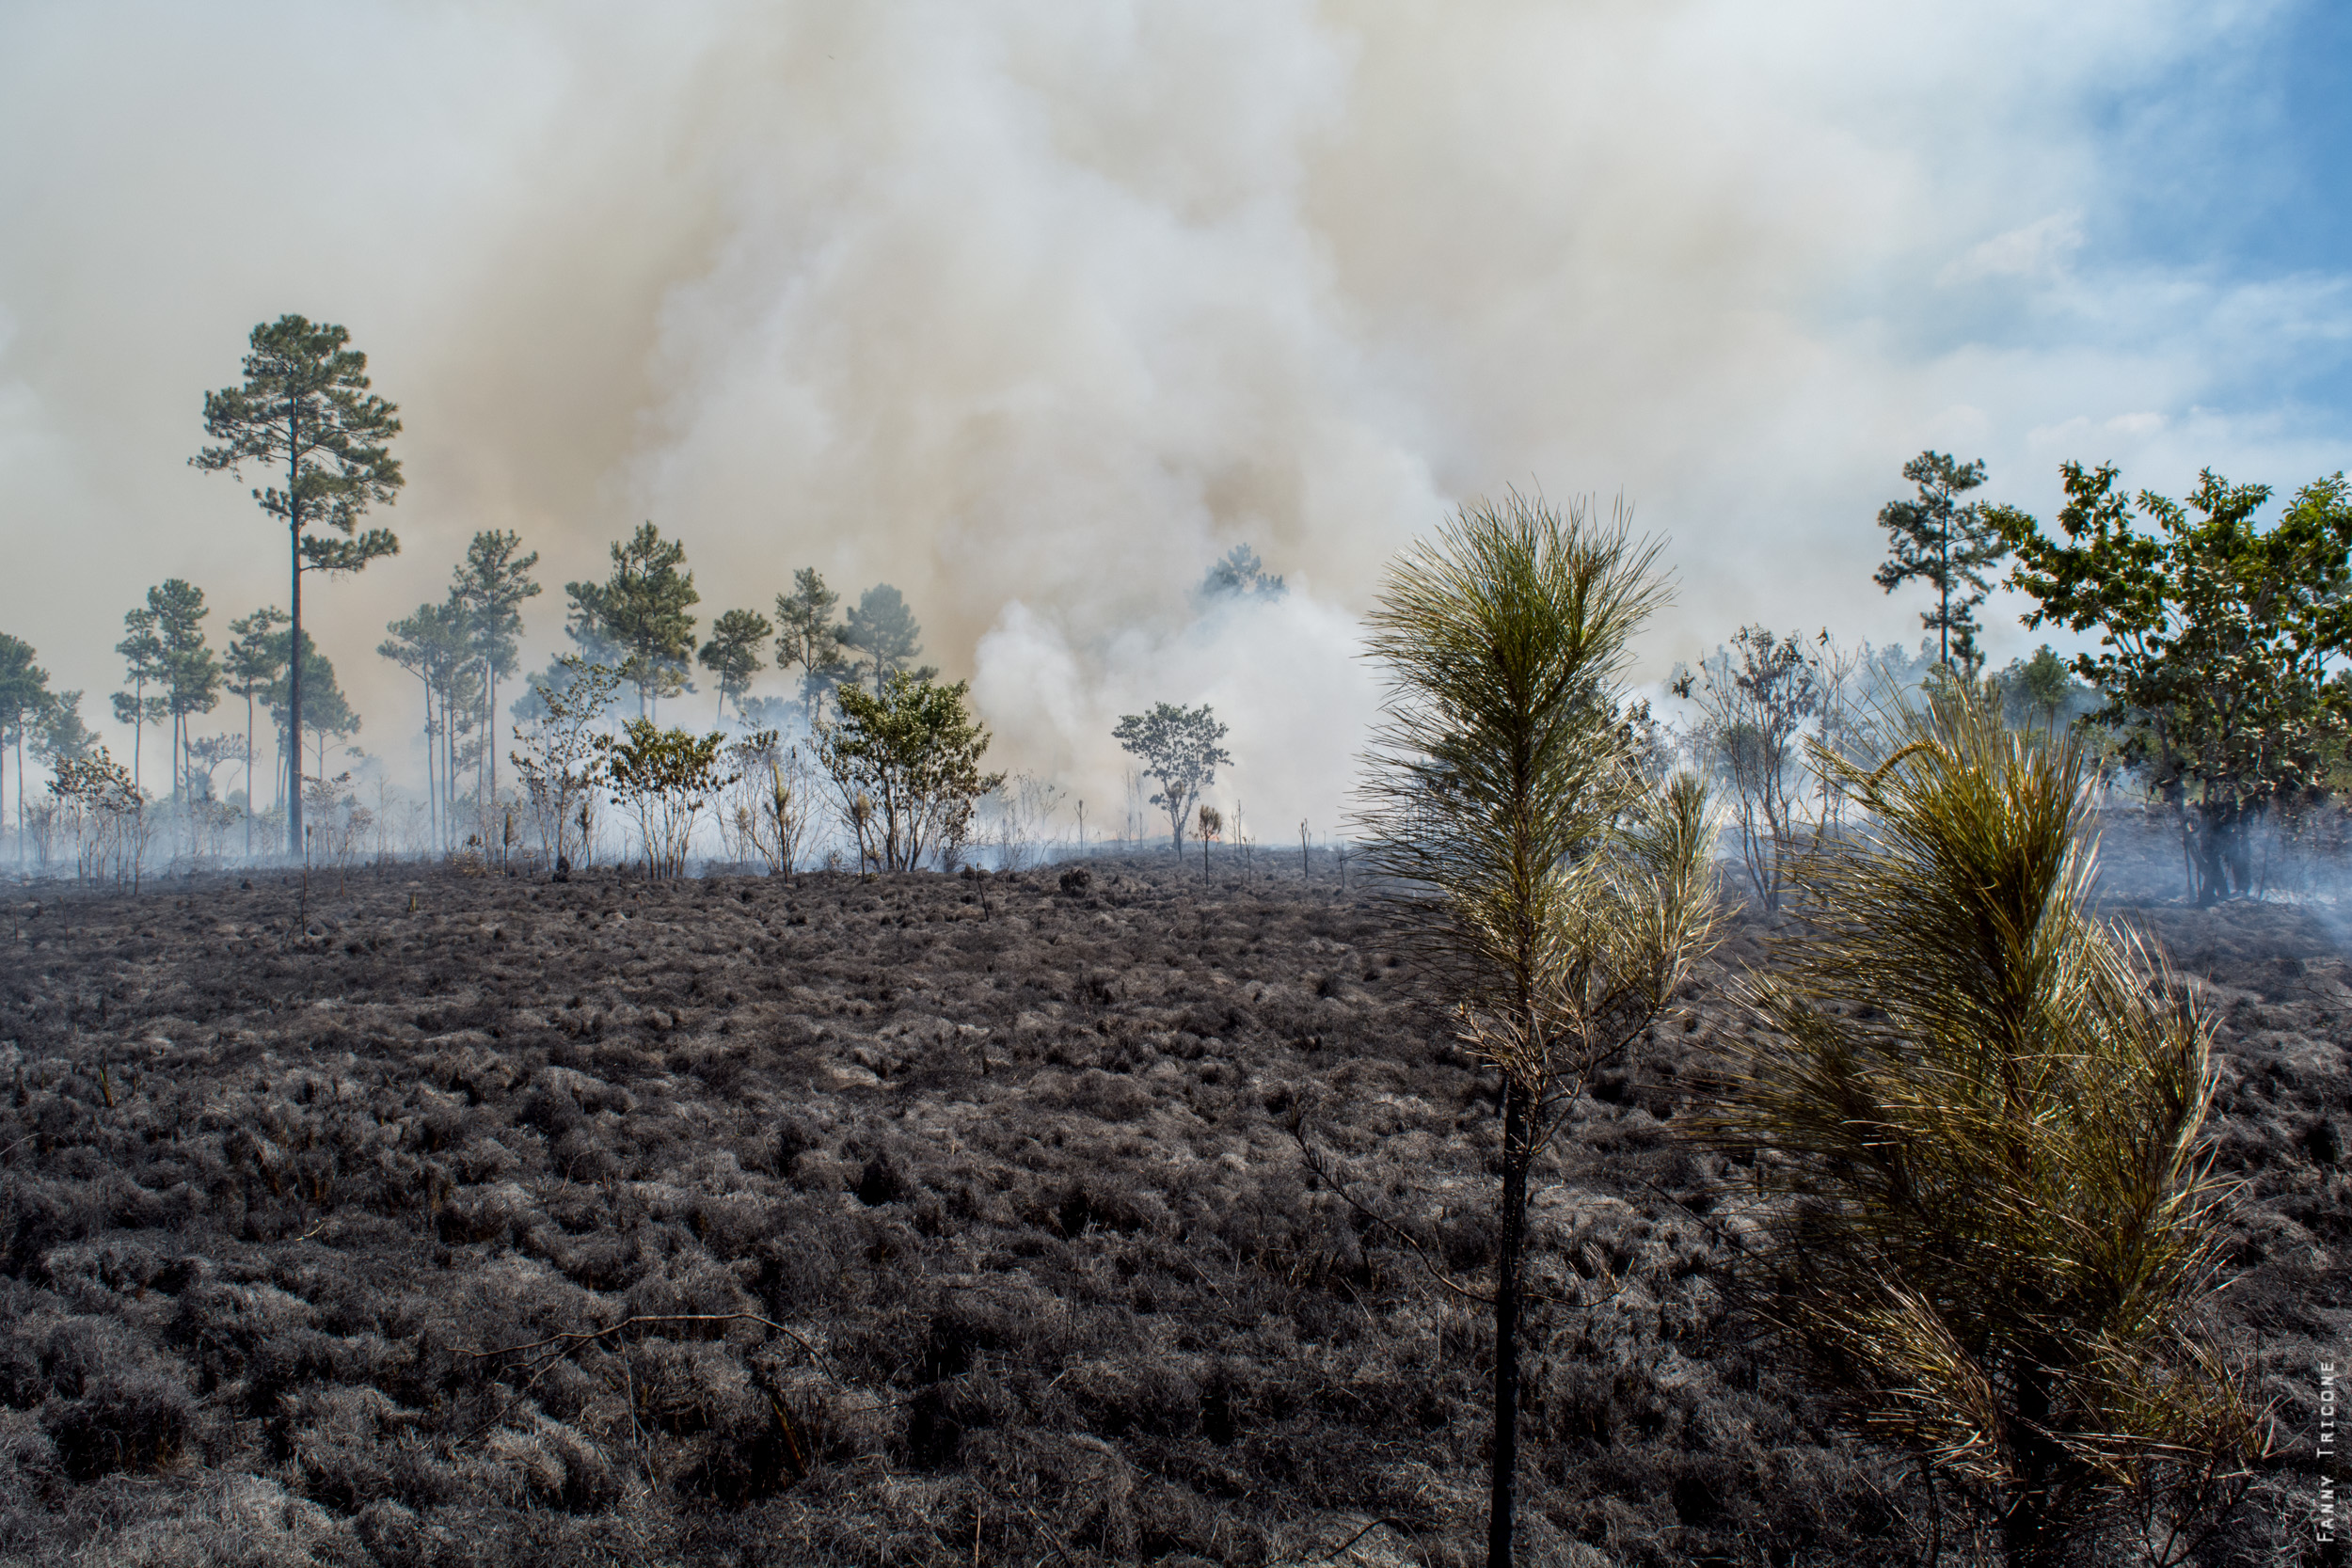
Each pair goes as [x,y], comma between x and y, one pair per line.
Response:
[1314,1165]
[1541,1298]
[1734,1242]
[569,1339]
[1397,1524]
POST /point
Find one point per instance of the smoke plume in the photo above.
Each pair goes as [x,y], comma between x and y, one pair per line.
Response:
[1035,309]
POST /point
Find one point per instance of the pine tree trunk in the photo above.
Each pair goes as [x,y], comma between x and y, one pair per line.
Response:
[431,782]
[293,661]
[1517,1117]
[2028,1536]
[249,774]
[293,720]
[1944,593]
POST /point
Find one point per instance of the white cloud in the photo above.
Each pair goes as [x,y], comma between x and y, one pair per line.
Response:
[2040,249]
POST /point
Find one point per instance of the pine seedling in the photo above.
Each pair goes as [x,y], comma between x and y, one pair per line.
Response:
[1556,894]
[1984,1107]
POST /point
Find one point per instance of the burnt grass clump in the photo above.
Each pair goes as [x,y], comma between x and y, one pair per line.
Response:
[483,1220]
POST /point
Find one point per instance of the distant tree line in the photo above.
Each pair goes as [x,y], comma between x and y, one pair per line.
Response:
[305,417]
[900,749]
[2219,684]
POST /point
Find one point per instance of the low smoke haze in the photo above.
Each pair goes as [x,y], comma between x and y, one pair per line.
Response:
[1036,310]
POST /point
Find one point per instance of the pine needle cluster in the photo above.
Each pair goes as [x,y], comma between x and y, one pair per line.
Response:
[1557,890]
[1983,1106]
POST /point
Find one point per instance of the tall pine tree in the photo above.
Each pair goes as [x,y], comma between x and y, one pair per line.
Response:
[23,694]
[253,668]
[882,628]
[491,583]
[807,636]
[142,651]
[190,670]
[734,655]
[1948,543]
[644,611]
[305,406]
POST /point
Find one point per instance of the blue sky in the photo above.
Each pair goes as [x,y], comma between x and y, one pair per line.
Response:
[2236,165]
[2244,163]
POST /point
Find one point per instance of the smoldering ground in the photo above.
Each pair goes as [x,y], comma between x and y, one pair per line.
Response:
[923,1219]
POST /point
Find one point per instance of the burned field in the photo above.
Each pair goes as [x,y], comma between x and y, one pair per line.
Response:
[480,1220]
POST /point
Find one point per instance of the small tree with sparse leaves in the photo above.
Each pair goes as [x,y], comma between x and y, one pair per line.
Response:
[1178,746]
[559,762]
[665,779]
[906,770]
[1559,894]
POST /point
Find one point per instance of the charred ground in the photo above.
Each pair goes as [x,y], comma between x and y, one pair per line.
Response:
[461,1219]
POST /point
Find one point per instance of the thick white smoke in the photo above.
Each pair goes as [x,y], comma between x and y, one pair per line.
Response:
[1035,309]
[1282,675]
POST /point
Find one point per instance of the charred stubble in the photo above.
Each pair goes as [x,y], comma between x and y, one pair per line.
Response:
[946,1210]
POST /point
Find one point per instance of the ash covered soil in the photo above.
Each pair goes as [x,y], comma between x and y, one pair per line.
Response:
[928,1219]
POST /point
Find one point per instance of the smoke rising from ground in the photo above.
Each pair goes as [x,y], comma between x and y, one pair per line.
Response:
[1034,311]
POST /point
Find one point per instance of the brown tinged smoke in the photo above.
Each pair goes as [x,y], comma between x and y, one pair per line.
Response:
[1034,313]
